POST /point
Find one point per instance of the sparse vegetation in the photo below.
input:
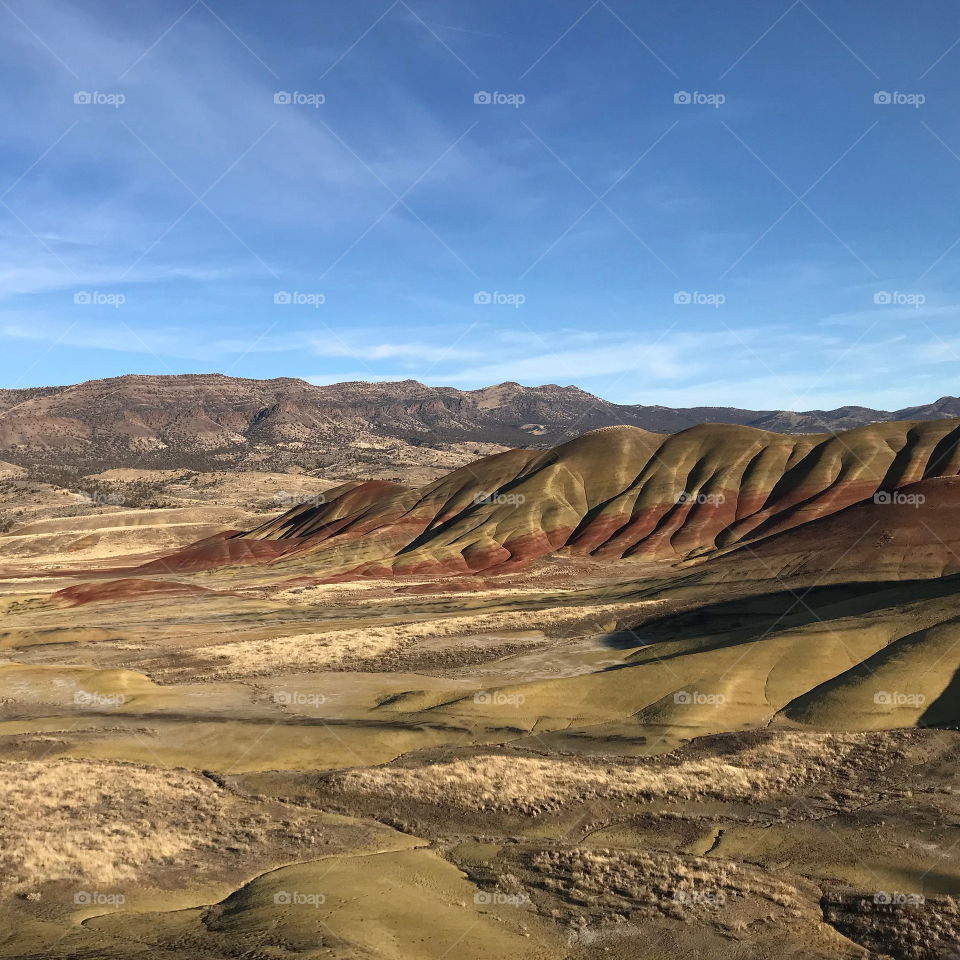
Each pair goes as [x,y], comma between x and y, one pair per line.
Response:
[536,785]
[114,822]
[315,651]
[493,686]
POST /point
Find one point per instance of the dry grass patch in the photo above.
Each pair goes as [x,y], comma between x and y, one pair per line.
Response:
[924,929]
[533,784]
[327,594]
[317,651]
[114,822]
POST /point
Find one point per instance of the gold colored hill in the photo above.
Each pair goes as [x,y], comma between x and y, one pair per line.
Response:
[625,493]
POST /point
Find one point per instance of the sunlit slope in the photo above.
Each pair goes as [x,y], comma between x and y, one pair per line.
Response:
[618,492]
[911,680]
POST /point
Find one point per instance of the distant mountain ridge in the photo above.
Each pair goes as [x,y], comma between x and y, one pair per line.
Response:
[212,421]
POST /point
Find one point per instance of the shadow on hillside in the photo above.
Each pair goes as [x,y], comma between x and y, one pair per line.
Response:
[945,710]
[739,622]
[794,608]
[623,639]
[751,619]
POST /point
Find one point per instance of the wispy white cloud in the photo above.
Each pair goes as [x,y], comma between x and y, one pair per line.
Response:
[660,362]
[419,352]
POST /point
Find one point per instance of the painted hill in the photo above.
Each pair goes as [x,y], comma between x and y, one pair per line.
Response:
[881,498]
[375,430]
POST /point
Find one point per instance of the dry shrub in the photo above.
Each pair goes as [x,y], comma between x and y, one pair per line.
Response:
[533,784]
[627,881]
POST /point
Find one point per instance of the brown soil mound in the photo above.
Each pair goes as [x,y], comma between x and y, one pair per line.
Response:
[126,589]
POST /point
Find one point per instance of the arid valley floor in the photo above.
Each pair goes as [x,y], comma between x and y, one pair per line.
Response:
[636,696]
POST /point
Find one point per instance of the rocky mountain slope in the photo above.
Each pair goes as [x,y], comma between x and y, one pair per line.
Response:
[376,430]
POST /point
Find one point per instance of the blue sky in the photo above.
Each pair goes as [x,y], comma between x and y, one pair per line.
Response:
[775,239]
